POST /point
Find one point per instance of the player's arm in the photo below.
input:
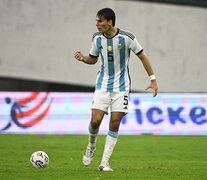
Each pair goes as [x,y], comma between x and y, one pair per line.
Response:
[145,61]
[86,59]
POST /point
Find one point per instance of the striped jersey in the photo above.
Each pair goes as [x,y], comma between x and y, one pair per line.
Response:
[114,54]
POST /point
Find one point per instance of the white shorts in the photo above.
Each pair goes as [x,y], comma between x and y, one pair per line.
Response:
[116,101]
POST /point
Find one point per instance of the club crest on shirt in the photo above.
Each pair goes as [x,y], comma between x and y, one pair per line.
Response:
[109,48]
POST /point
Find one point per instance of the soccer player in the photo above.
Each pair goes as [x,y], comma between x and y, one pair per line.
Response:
[113,46]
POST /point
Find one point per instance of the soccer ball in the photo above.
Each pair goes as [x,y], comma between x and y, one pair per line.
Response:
[39,159]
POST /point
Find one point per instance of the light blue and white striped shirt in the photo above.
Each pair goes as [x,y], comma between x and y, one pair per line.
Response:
[114,53]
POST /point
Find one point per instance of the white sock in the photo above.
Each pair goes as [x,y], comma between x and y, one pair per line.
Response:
[108,149]
[92,140]
[93,132]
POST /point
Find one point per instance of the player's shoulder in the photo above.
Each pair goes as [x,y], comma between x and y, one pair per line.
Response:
[96,34]
[127,33]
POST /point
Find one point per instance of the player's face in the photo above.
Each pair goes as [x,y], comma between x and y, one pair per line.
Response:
[103,25]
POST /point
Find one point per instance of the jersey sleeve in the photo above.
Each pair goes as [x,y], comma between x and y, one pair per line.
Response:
[93,50]
[135,46]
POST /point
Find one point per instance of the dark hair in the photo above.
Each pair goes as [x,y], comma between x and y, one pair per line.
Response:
[108,14]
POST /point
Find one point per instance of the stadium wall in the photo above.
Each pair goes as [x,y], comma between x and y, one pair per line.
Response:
[38,39]
[69,113]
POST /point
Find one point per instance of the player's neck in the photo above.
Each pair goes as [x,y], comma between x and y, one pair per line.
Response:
[111,32]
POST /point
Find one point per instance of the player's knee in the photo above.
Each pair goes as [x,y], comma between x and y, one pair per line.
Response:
[96,121]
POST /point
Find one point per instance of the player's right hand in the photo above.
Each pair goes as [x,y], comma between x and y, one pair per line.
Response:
[78,55]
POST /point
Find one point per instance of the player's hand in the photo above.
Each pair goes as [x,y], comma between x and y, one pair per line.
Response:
[154,87]
[78,55]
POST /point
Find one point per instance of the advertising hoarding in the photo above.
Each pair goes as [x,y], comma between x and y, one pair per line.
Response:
[70,113]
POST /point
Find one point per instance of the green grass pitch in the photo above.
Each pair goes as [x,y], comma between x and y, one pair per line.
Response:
[135,157]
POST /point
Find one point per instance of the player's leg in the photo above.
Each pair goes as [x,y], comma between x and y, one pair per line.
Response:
[111,140]
[119,108]
[97,116]
[99,108]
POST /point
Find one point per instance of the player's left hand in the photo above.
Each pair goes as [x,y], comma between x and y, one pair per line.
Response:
[154,87]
